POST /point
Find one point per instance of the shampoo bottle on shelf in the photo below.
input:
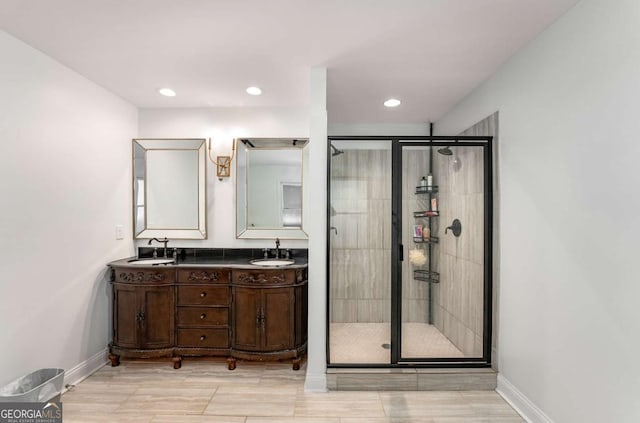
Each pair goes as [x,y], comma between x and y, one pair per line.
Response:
[429,180]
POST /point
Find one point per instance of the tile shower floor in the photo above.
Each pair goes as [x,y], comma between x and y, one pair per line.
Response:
[362,342]
[205,391]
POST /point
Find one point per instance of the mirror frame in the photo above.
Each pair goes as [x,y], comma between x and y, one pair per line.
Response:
[270,144]
[181,144]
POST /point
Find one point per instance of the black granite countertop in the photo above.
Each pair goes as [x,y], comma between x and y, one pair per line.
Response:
[238,258]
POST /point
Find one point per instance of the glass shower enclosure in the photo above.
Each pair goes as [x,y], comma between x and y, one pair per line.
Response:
[409,249]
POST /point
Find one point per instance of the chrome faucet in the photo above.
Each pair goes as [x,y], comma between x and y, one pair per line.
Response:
[277,248]
[162,241]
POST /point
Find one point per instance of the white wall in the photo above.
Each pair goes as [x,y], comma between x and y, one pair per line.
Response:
[316,379]
[569,128]
[222,125]
[65,170]
[382,129]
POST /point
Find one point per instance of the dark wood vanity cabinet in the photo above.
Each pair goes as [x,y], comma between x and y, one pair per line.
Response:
[143,314]
[203,302]
[238,313]
[264,319]
[269,314]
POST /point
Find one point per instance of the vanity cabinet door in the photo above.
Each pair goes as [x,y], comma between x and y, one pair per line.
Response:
[143,316]
[246,335]
[156,328]
[263,319]
[277,319]
[301,319]
[125,307]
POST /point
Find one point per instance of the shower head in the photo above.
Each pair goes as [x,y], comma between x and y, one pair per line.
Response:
[335,152]
[446,151]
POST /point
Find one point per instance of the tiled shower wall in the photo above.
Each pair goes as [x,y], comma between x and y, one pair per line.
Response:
[490,127]
[361,249]
[458,299]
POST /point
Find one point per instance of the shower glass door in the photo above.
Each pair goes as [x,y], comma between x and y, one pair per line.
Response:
[442,276]
[360,252]
[409,251]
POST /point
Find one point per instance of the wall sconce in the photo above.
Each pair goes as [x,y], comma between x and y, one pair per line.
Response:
[223,163]
[223,166]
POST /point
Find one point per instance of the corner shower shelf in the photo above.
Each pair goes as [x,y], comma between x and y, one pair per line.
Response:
[426,276]
[426,190]
[426,213]
[432,240]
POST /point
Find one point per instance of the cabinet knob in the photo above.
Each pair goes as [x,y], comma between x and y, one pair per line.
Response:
[203,294]
[202,316]
[202,338]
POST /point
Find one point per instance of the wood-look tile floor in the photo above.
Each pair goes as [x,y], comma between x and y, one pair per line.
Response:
[205,391]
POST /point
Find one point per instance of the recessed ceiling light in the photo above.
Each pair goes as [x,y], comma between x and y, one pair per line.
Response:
[167,92]
[392,102]
[254,91]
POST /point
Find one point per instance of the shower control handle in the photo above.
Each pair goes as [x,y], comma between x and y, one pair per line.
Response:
[456,228]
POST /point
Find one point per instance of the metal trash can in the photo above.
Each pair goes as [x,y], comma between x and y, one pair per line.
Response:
[39,386]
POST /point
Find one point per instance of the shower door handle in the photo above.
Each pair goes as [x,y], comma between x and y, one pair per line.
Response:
[401,252]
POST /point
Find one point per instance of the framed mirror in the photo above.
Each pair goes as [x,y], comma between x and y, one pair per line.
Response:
[270,188]
[169,188]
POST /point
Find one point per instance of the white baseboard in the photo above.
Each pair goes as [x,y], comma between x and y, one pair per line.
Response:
[85,369]
[523,405]
[315,383]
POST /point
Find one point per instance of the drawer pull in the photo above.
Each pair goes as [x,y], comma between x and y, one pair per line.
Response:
[202,316]
[202,338]
[203,294]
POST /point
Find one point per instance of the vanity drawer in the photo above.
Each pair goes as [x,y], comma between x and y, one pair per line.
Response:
[160,275]
[203,295]
[203,316]
[203,275]
[263,277]
[212,338]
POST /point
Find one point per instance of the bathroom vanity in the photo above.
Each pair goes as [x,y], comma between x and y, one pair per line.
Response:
[209,307]
[213,302]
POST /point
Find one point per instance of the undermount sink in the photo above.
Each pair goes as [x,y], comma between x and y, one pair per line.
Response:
[151,261]
[272,262]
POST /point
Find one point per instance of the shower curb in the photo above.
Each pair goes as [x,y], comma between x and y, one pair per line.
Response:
[411,379]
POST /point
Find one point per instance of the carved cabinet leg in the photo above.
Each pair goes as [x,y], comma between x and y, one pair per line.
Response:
[296,363]
[177,362]
[114,359]
[231,363]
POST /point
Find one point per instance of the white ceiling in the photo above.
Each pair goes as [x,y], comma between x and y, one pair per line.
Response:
[428,53]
